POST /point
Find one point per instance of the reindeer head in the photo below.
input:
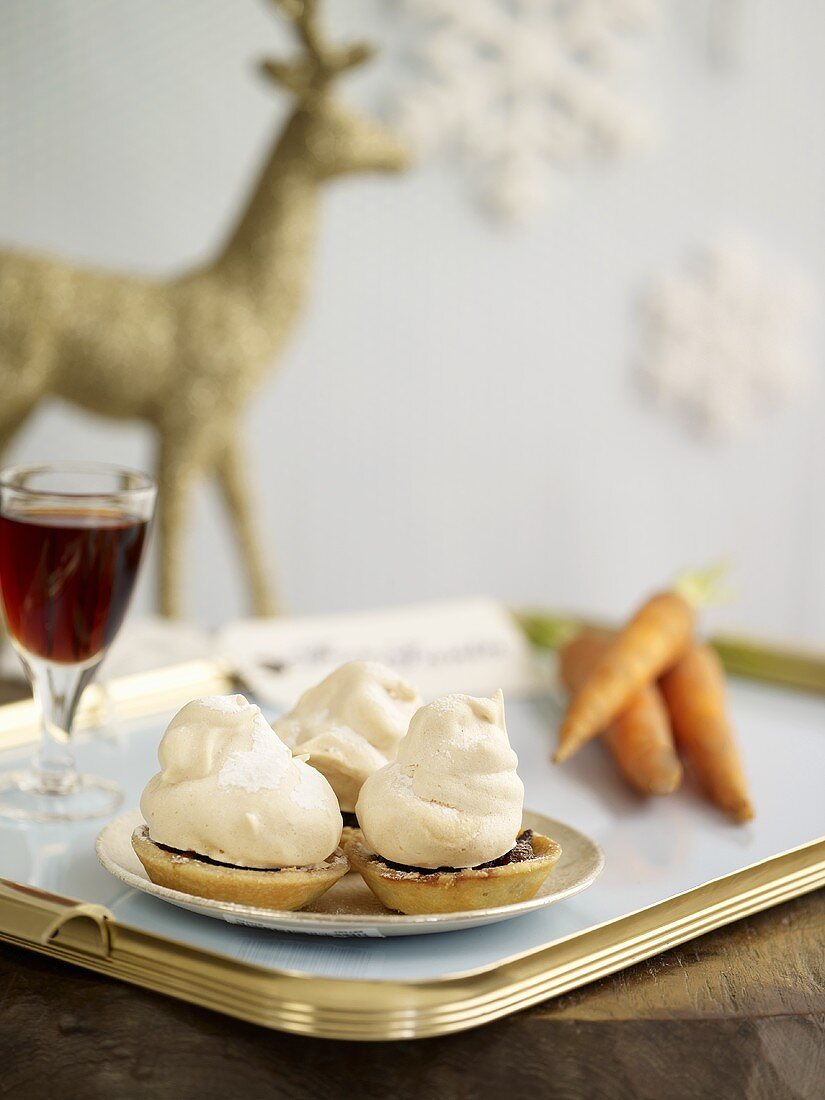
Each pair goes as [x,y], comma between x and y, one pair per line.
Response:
[337,139]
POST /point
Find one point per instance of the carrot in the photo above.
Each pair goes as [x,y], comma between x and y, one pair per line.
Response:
[639,739]
[654,640]
[694,691]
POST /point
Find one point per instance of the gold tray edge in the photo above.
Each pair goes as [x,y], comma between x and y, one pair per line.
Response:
[386,1010]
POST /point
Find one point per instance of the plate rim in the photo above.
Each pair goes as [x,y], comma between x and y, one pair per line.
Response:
[340,922]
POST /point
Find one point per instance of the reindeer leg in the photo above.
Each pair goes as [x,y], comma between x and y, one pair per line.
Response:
[23,383]
[9,429]
[234,485]
[177,471]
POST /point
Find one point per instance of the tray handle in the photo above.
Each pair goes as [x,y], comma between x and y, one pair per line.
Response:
[49,920]
[85,928]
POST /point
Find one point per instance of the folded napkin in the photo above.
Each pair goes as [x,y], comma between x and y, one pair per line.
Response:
[468,645]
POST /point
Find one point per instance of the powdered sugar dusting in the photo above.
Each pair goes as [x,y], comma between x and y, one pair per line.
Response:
[447,704]
[226,704]
[405,778]
[308,792]
[262,767]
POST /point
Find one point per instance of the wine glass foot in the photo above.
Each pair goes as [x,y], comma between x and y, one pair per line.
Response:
[24,796]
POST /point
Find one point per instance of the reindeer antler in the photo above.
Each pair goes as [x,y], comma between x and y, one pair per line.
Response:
[303,14]
[322,62]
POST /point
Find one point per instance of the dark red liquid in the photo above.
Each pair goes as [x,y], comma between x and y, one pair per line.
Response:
[66,578]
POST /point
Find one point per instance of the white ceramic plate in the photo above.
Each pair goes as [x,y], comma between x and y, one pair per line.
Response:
[349,908]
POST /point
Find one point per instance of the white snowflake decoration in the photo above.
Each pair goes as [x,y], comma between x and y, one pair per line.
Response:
[725,338]
[519,88]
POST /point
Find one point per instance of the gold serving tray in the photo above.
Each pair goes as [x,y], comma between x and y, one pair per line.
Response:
[88,935]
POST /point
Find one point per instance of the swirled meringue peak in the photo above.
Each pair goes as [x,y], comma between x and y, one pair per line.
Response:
[231,790]
[351,724]
[453,797]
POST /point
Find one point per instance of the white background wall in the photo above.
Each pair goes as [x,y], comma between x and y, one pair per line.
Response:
[457,413]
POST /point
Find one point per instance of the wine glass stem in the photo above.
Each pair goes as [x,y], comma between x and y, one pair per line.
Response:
[57,689]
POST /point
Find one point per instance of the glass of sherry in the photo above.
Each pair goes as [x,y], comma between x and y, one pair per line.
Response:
[72,536]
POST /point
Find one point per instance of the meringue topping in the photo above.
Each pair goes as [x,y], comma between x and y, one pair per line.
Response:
[231,790]
[453,798]
[351,724]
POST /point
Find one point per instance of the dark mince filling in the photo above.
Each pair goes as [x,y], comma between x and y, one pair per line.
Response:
[350,820]
[520,853]
[214,862]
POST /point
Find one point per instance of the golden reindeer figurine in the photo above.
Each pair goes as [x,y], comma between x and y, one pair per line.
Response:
[184,355]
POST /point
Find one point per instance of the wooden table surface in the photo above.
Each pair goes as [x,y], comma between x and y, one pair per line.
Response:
[737,1013]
